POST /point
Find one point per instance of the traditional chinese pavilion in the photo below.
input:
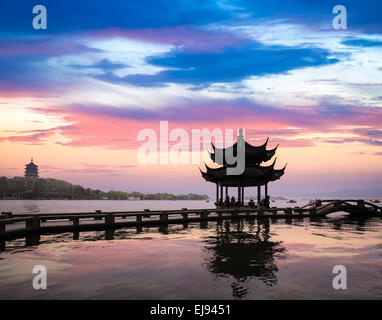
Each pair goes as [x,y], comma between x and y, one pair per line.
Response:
[254,175]
[31,170]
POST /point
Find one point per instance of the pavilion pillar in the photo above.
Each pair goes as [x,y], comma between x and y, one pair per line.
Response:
[258,194]
[217,193]
[221,193]
[266,190]
[226,191]
[242,196]
[239,194]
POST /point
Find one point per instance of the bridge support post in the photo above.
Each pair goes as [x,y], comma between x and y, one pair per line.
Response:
[163,217]
[2,228]
[185,217]
[361,203]
[146,215]
[76,222]
[220,215]
[109,219]
[318,203]
[204,215]
[33,224]
[98,218]
[109,234]
[32,239]
[139,218]
[258,195]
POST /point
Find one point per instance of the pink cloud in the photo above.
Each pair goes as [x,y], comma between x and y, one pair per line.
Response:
[117,128]
[32,136]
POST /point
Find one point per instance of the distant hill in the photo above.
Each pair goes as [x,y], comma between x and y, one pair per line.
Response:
[48,188]
[349,193]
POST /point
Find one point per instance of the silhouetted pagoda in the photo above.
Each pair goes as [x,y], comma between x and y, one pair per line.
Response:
[31,170]
[254,174]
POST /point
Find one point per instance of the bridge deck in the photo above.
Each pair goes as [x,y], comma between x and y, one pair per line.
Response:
[19,225]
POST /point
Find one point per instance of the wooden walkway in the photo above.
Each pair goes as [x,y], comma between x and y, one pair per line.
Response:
[20,225]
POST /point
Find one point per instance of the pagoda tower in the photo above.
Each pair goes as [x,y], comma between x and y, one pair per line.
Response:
[254,175]
[31,170]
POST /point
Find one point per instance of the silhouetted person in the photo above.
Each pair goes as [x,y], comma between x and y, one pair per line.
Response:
[233,201]
[267,202]
[226,202]
[251,203]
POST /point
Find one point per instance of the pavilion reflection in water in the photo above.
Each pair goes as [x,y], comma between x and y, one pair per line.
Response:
[243,255]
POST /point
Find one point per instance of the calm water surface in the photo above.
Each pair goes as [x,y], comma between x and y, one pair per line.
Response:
[246,259]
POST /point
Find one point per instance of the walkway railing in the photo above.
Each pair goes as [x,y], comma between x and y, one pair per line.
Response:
[17,225]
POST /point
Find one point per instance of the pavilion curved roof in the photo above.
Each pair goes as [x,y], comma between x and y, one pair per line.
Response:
[254,155]
[252,176]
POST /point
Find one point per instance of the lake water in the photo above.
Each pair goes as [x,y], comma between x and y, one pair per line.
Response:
[69,206]
[246,259]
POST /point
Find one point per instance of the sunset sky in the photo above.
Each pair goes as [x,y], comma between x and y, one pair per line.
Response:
[75,96]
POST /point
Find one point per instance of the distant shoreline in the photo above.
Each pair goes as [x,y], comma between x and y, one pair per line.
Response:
[13,199]
[33,188]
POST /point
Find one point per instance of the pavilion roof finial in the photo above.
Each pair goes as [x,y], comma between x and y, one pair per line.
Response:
[240,138]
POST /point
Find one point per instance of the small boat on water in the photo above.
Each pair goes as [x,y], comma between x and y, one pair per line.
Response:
[291,201]
[375,201]
[207,200]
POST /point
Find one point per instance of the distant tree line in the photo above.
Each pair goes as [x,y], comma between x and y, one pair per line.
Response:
[41,188]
